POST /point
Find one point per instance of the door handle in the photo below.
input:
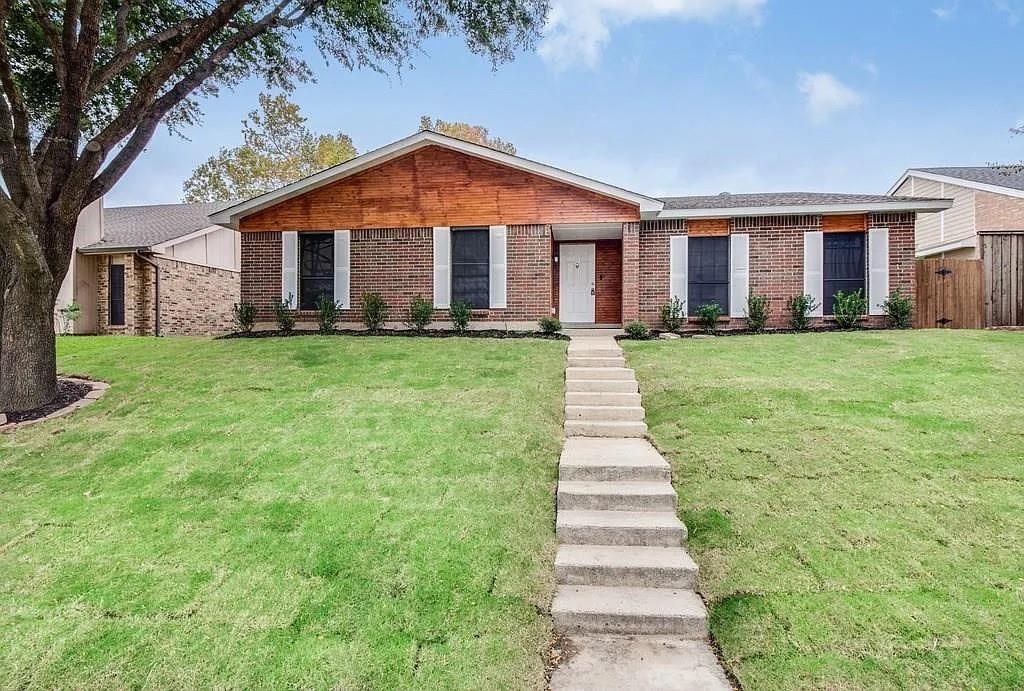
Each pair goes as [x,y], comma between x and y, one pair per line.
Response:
[591,290]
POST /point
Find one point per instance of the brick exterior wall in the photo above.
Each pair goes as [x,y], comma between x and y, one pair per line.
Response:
[901,249]
[632,269]
[653,278]
[195,300]
[398,263]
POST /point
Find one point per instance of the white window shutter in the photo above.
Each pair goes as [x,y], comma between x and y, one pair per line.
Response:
[342,260]
[739,274]
[442,267]
[677,268]
[290,268]
[878,272]
[814,282]
[499,269]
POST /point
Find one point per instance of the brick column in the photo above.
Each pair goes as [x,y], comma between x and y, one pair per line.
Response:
[630,272]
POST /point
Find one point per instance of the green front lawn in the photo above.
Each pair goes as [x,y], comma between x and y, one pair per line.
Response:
[305,513]
[855,502]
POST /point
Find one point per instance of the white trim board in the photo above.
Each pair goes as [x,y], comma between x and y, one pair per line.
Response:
[970,184]
[231,215]
[963,243]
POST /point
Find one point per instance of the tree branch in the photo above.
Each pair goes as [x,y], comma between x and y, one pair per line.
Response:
[126,54]
[53,37]
[14,130]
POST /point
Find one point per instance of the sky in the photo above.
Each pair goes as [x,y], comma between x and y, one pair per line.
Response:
[677,97]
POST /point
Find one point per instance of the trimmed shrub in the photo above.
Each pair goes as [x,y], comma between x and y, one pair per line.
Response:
[673,314]
[758,311]
[284,315]
[69,314]
[800,308]
[638,331]
[326,313]
[898,310]
[421,313]
[549,325]
[243,314]
[848,308]
[461,312]
[375,311]
[707,316]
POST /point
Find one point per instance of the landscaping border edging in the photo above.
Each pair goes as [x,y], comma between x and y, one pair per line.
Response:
[96,392]
[402,333]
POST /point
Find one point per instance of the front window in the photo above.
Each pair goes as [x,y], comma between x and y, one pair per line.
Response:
[708,273]
[843,266]
[471,273]
[115,296]
[316,268]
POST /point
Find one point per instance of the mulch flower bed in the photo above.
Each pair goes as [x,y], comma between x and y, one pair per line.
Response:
[72,393]
[405,333]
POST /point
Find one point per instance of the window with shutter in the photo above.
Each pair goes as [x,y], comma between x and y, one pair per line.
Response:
[115,296]
[708,273]
[316,268]
[471,269]
[843,266]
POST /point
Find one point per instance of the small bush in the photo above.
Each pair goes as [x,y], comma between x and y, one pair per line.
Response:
[243,314]
[421,313]
[800,308]
[461,312]
[284,315]
[69,314]
[758,311]
[326,313]
[549,325]
[898,310]
[638,331]
[707,316]
[672,314]
[375,311]
[848,308]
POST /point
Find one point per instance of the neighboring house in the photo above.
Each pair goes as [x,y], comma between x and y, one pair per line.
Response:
[152,270]
[444,219]
[986,222]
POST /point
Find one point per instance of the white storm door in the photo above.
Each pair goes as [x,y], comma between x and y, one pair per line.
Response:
[576,283]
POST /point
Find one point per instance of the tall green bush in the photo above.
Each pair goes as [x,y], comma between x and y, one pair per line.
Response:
[673,313]
[848,308]
[707,316]
[374,310]
[421,313]
[898,310]
[326,313]
[800,308]
[758,311]
[461,312]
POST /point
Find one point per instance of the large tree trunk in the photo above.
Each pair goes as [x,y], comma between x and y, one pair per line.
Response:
[28,361]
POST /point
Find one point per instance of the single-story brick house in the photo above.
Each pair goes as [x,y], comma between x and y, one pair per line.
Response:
[440,218]
[152,270]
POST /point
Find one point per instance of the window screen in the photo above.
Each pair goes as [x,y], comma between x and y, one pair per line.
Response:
[471,272]
[843,266]
[115,297]
[316,268]
[708,273]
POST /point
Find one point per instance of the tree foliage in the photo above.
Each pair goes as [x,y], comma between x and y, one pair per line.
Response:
[277,149]
[470,133]
[84,84]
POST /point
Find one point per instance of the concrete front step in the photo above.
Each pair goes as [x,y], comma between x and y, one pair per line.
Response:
[602,398]
[600,373]
[649,567]
[604,412]
[616,496]
[594,352]
[578,361]
[665,663]
[611,459]
[599,386]
[637,528]
[604,428]
[625,610]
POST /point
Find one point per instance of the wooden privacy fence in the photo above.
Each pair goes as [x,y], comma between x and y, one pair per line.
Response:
[949,294]
[1003,257]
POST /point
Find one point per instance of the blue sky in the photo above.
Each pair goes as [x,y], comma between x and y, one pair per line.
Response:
[672,97]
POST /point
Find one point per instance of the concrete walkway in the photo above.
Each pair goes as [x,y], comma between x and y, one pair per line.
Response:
[625,596]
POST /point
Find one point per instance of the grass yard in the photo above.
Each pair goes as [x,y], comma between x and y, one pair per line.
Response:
[855,502]
[346,513]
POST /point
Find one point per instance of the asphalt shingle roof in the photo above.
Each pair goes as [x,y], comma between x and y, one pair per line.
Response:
[733,201]
[1002,176]
[138,227]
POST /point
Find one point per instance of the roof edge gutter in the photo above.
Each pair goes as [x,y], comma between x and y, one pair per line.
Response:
[806,209]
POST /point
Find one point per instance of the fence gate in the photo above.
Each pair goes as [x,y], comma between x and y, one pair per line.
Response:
[949,294]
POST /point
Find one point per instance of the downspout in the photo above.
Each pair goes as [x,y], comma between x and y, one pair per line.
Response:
[156,268]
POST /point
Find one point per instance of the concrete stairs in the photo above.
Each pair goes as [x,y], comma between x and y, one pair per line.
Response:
[625,583]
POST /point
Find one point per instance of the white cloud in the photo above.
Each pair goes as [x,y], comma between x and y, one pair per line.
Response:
[577,30]
[946,12]
[1012,10]
[826,95]
[750,71]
